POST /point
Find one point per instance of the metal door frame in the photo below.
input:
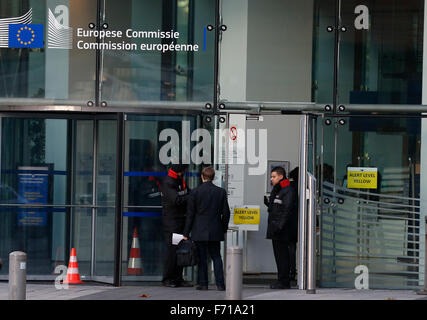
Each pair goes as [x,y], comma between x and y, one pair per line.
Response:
[70,117]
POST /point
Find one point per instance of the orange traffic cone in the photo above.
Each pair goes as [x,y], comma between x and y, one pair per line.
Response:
[73,276]
[134,266]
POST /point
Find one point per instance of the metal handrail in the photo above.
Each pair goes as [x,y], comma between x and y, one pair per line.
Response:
[380,215]
[370,255]
[376,238]
[369,227]
[35,205]
[336,187]
[343,196]
[144,207]
[367,246]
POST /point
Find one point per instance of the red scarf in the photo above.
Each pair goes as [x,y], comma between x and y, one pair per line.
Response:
[285,183]
[174,175]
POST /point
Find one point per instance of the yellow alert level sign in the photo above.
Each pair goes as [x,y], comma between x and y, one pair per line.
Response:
[246,215]
[362,178]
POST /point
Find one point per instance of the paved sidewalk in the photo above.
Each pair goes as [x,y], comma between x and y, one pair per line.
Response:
[91,291]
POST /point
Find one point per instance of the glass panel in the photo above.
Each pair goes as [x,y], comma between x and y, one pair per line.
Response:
[34,148]
[56,71]
[105,196]
[323,51]
[268,49]
[375,222]
[106,163]
[33,171]
[81,238]
[42,240]
[82,193]
[147,70]
[82,162]
[381,52]
[143,173]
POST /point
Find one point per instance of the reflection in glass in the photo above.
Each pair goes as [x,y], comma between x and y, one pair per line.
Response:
[143,174]
[381,52]
[46,76]
[82,162]
[266,52]
[129,77]
[33,170]
[323,51]
[104,242]
[81,238]
[375,227]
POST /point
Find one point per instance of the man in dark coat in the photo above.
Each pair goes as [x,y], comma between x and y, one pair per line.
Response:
[174,194]
[281,213]
[208,215]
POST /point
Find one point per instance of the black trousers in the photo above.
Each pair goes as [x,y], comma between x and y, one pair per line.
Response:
[293,258]
[214,249]
[171,272]
[281,255]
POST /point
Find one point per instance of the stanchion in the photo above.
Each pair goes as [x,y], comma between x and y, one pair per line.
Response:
[234,273]
[17,275]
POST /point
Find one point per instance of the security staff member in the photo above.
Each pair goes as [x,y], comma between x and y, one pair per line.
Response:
[174,194]
[282,212]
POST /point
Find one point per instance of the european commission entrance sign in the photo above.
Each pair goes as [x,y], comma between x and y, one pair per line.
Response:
[19,32]
[119,40]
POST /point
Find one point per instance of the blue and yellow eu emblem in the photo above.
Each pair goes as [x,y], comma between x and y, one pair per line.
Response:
[26,36]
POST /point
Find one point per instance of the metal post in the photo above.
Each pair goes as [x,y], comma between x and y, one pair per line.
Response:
[17,275]
[424,292]
[311,233]
[94,195]
[234,273]
[302,204]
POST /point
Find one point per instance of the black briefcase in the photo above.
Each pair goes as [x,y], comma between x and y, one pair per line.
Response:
[187,254]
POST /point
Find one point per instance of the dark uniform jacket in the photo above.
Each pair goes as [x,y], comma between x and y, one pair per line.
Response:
[282,212]
[174,203]
[207,213]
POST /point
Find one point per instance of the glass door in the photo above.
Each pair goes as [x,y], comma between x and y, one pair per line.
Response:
[94,197]
[371,203]
[57,192]
[33,192]
[371,164]
[144,168]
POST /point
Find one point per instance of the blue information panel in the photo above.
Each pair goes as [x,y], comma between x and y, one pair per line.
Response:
[33,188]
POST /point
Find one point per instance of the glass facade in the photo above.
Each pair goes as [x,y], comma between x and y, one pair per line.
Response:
[130,62]
[378,227]
[143,171]
[151,62]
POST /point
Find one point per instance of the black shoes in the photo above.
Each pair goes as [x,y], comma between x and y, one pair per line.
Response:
[170,284]
[176,284]
[200,287]
[220,288]
[184,284]
[279,285]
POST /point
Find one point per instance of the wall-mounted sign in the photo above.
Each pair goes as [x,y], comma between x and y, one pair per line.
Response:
[33,188]
[246,215]
[362,178]
[19,32]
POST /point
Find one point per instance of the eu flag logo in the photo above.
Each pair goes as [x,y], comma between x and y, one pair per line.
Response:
[26,36]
